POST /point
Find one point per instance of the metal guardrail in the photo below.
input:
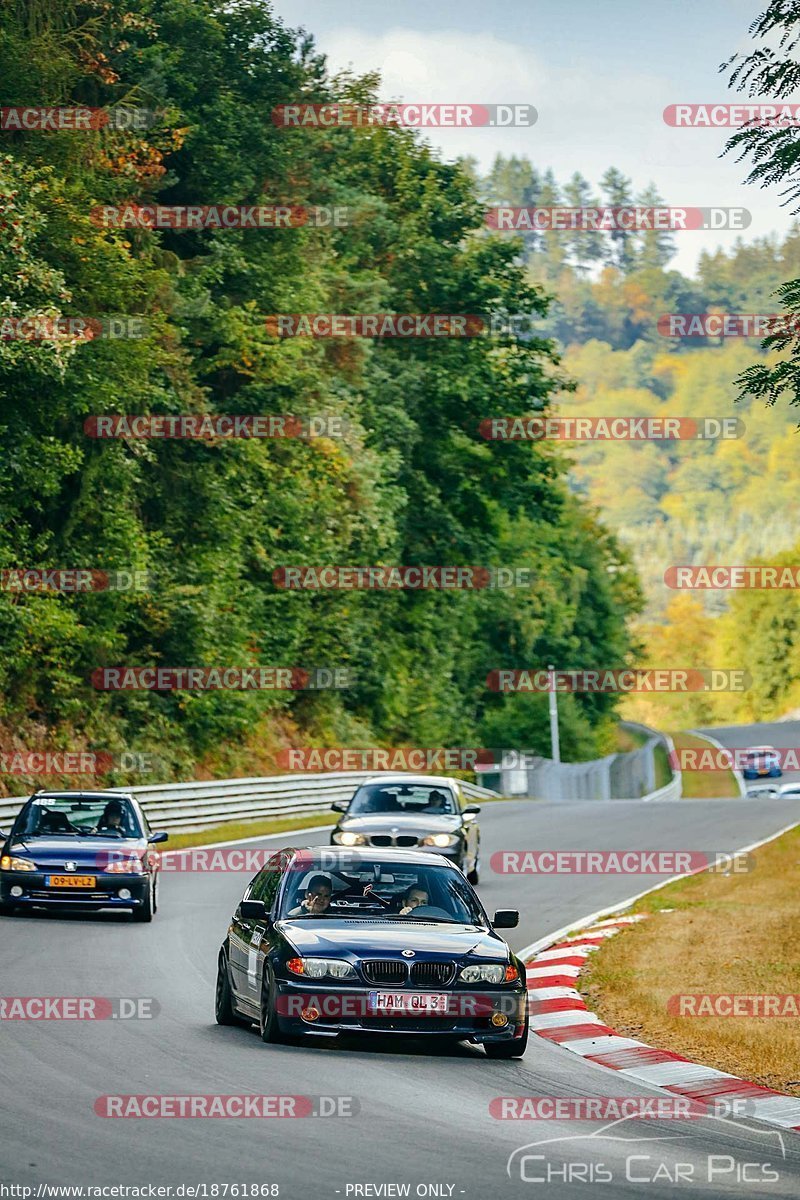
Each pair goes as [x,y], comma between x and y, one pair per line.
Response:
[211,802]
[629,775]
[674,789]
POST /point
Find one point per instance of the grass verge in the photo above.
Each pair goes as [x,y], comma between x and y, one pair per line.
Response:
[230,831]
[703,785]
[713,934]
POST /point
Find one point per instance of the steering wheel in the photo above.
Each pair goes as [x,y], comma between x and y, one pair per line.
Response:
[429,910]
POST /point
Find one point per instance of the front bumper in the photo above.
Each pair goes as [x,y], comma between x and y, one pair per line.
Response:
[105,893]
[349,1010]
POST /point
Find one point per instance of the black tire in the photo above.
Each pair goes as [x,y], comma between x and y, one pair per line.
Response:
[512,1049]
[155,894]
[7,910]
[268,1024]
[145,910]
[223,997]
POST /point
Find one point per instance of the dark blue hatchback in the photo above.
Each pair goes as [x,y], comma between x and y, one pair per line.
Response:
[80,850]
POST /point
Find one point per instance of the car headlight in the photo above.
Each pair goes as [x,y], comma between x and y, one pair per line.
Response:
[7,863]
[318,968]
[125,866]
[440,839]
[489,973]
[345,838]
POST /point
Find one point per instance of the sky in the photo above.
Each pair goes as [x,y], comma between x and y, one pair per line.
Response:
[599,72]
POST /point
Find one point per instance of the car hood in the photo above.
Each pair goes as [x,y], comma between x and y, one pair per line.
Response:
[84,852]
[403,822]
[384,938]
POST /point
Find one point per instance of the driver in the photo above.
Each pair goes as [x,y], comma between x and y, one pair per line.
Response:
[415,897]
[112,818]
[317,898]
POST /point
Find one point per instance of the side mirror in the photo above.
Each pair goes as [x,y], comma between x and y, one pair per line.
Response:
[161,836]
[253,910]
[505,918]
[5,834]
[471,810]
[340,805]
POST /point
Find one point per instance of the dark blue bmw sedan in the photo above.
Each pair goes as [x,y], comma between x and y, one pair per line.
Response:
[329,941]
[80,850]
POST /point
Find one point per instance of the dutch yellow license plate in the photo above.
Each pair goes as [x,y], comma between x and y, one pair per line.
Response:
[71,881]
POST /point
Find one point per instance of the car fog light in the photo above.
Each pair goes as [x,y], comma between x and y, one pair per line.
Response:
[124,893]
[309,1014]
[16,891]
[499,1019]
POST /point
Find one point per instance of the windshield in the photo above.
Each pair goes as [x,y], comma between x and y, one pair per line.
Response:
[391,891]
[400,798]
[106,817]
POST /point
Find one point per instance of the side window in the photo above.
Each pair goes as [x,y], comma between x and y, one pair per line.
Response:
[265,885]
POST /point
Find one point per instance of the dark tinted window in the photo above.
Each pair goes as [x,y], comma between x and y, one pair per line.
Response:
[399,799]
[374,888]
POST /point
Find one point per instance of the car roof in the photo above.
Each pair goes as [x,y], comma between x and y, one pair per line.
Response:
[79,795]
[393,779]
[356,854]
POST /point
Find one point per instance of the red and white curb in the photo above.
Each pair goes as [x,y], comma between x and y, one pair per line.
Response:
[558,1013]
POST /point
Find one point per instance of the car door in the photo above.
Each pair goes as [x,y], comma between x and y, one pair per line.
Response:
[240,934]
[247,935]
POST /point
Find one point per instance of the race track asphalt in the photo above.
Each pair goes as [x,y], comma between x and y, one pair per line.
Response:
[423,1115]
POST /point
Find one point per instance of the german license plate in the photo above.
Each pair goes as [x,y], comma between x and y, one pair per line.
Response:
[70,881]
[409,1002]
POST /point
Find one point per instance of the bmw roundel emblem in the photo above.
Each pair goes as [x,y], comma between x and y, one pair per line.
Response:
[408,953]
[70,866]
